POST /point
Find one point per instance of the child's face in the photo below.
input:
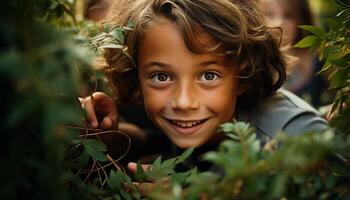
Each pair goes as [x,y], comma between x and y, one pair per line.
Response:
[187,95]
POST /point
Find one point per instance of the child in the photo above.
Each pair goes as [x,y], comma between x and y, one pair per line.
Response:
[289,14]
[97,10]
[197,64]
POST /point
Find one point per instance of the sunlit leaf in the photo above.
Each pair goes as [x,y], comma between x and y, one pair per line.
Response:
[308,41]
[314,30]
[111,46]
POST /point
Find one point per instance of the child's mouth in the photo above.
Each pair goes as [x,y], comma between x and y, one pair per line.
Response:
[186,126]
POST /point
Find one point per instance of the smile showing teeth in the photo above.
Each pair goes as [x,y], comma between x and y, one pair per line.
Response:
[187,124]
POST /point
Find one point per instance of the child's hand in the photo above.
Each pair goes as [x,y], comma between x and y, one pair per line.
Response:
[101,111]
[133,167]
[144,187]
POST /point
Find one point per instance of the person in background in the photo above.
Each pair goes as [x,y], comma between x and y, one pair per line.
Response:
[97,10]
[289,14]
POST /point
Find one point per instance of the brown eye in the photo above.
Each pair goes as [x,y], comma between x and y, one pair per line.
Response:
[161,77]
[209,76]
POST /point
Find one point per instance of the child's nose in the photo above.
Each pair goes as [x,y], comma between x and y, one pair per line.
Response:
[185,98]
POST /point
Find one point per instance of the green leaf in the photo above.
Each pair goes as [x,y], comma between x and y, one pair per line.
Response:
[114,180]
[95,144]
[308,41]
[333,24]
[339,78]
[140,174]
[125,195]
[227,127]
[184,156]
[334,52]
[117,179]
[130,25]
[316,45]
[180,177]
[157,162]
[314,30]
[212,156]
[340,62]
[161,169]
[118,35]
[106,27]
[168,165]
[111,46]
[84,158]
[95,154]
[95,148]
[100,37]
[325,67]
[335,104]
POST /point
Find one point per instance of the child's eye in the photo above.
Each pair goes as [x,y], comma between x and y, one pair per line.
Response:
[209,76]
[161,77]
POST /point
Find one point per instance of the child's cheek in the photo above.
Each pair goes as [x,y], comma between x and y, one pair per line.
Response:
[155,102]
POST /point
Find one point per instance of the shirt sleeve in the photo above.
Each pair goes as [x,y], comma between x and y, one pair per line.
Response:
[305,122]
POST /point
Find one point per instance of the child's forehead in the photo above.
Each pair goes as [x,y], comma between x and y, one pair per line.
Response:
[164,42]
[195,36]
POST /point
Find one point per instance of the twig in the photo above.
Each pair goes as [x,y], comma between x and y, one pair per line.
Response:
[99,176]
[115,164]
[104,172]
[91,170]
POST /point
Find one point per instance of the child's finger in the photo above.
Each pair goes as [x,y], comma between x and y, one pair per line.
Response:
[81,100]
[91,114]
[133,167]
[106,123]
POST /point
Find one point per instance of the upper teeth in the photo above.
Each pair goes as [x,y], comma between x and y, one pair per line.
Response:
[185,124]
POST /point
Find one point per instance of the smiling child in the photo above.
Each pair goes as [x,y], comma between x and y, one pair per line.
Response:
[196,64]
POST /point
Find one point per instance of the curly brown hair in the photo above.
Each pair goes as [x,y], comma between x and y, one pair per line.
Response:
[237,26]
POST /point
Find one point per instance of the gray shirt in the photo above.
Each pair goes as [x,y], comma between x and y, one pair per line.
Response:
[285,112]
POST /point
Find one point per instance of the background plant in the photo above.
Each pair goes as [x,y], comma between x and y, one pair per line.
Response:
[42,57]
[333,48]
[38,83]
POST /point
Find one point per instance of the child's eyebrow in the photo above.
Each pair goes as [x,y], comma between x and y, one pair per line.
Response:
[201,64]
[155,63]
[212,62]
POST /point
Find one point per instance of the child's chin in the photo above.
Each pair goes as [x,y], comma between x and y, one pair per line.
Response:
[186,145]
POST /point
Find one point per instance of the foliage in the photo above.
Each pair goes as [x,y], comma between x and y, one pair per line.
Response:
[299,169]
[39,75]
[39,84]
[333,47]
[43,60]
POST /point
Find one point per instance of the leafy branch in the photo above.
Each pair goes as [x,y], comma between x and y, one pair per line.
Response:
[333,48]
